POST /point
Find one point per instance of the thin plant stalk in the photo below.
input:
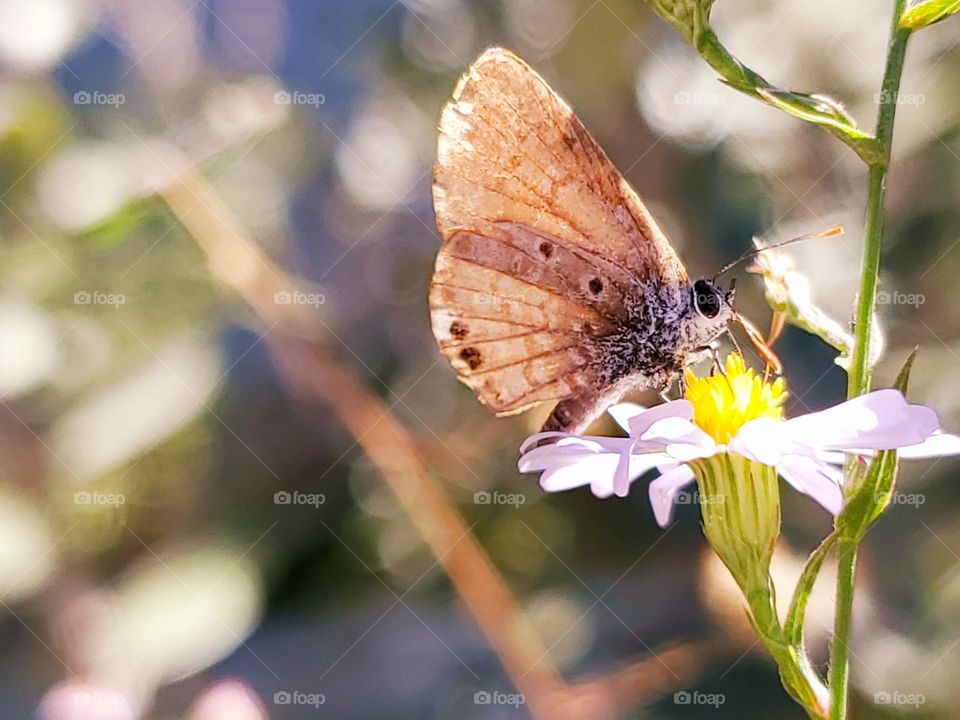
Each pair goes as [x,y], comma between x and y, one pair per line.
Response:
[858,381]
[860,367]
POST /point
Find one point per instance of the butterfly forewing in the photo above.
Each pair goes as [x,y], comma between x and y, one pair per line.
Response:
[544,241]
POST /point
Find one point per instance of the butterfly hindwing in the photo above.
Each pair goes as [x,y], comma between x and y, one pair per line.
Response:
[514,343]
[545,244]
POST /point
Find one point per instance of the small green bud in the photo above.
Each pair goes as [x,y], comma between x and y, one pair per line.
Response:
[686,16]
[928,12]
[740,507]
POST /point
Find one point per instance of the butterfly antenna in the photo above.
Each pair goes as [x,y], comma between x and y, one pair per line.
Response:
[832,232]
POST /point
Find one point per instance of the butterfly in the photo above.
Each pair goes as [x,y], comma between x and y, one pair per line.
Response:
[553,281]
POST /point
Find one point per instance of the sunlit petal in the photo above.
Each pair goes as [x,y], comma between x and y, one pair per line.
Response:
[663,491]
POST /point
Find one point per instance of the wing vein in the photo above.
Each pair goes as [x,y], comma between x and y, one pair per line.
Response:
[537,356]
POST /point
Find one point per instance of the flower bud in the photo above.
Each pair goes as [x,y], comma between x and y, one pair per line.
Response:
[740,506]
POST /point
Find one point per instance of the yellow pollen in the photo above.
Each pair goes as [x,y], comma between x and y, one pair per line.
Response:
[724,402]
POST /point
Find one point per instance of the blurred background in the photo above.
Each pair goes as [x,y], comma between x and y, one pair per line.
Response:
[181,537]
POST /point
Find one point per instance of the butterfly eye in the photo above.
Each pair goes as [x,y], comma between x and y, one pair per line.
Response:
[706,299]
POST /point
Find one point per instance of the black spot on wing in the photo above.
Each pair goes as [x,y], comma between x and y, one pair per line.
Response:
[471,356]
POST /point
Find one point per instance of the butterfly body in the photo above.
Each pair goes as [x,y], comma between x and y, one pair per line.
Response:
[553,281]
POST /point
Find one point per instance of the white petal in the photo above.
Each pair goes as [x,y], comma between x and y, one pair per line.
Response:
[639,424]
[567,449]
[622,413]
[562,439]
[680,438]
[534,440]
[925,418]
[880,420]
[819,481]
[762,440]
[603,486]
[664,490]
[594,470]
[834,457]
[621,476]
[937,445]
[605,464]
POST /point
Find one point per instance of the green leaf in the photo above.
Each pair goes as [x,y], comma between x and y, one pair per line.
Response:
[867,500]
[793,627]
[820,110]
[686,16]
[903,377]
[691,18]
[928,12]
[829,113]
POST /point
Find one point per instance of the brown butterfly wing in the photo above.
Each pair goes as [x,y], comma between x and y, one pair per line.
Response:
[545,243]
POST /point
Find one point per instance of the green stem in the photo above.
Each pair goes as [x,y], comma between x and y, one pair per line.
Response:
[860,365]
[839,660]
[798,677]
[859,377]
[740,77]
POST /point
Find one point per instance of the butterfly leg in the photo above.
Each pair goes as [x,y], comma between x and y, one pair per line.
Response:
[717,365]
[733,341]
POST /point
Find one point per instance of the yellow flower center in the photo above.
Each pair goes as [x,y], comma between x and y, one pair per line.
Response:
[725,401]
